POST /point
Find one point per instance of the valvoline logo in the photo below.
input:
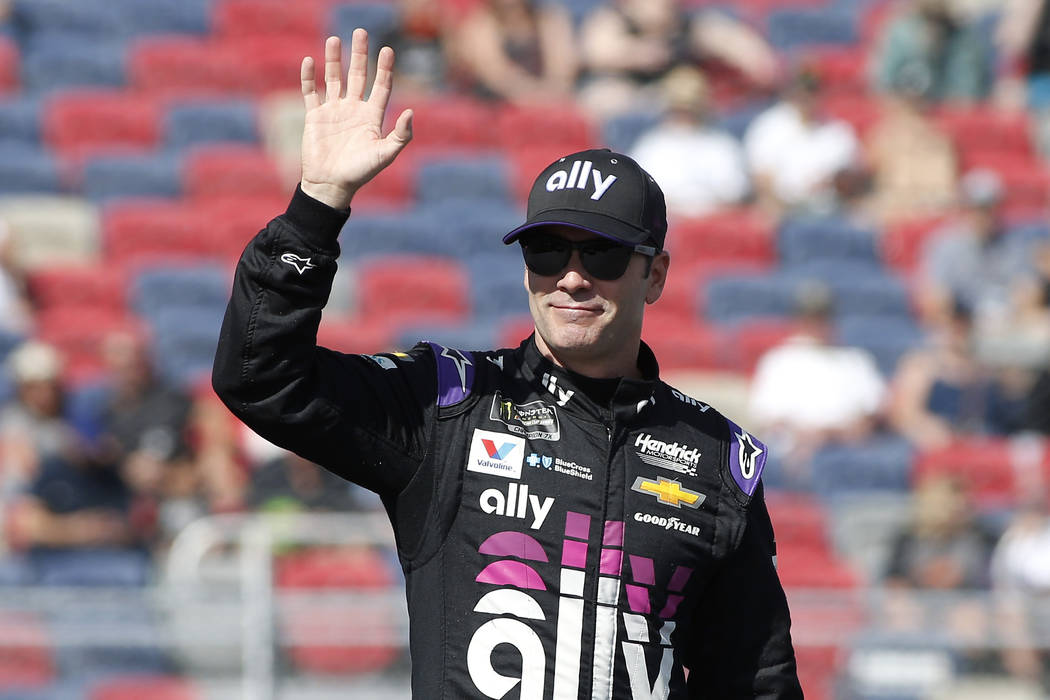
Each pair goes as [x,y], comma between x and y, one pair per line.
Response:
[501,452]
[494,453]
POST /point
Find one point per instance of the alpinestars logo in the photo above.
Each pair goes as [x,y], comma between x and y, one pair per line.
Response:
[300,264]
[667,455]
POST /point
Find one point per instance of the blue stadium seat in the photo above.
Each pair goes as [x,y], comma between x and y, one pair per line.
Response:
[53,61]
[881,464]
[622,131]
[496,284]
[737,121]
[94,18]
[184,343]
[482,177]
[802,240]
[579,9]
[859,287]
[91,567]
[15,570]
[465,225]
[194,286]
[380,234]
[886,338]
[478,335]
[152,175]
[379,18]
[20,119]
[732,298]
[163,16]
[60,690]
[790,29]
[26,169]
[190,123]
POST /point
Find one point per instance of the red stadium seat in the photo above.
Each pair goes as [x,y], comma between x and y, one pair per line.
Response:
[803,567]
[800,521]
[514,330]
[559,128]
[358,569]
[26,661]
[98,286]
[861,111]
[842,70]
[986,128]
[1026,180]
[149,229]
[305,18]
[731,236]
[451,122]
[355,335]
[270,63]
[136,687]
[902,242]
[409,289]
[985,466]
[79,333]
[212,171]
[750,340]
[181,67]
[229,223]
[81,123]
[682,344]
[9,65]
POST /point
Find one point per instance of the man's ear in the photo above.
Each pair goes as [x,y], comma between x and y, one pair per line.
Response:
[657,276]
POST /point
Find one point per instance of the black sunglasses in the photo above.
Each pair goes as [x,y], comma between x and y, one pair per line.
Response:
[546,254]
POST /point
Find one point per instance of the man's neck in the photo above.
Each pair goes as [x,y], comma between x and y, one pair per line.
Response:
[622,364]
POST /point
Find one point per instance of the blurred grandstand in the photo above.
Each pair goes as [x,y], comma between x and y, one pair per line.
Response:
[142,144]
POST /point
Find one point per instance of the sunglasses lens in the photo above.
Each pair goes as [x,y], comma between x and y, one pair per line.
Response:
[606,261]
[546,255]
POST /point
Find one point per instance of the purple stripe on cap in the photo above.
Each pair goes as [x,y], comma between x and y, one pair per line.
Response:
[679,578]
[574,554]
[513,544]
[613,536]
[455,374]
[638,599]
[671,607]
[511,573]
[612,562]
[577,525]
[642,570]
[747,457]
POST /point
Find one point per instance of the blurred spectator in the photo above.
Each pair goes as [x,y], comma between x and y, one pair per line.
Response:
[794,154]
[699,167]
[942,392]
[912,160]
[933,41]
[970,258]
[628,46]
[1023,41]
[517,50]
[289,483]
[943,547]
[1021,578]
[33,427]
[419,42]
[15,310]
[807,392]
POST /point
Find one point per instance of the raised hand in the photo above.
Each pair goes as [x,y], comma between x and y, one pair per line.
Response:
[343,142]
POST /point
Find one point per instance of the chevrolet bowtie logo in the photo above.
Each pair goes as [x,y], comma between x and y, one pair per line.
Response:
[669,492]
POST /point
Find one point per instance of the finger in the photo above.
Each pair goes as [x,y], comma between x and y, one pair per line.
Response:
[309,83]
[384,79]
[357,76]
[333,68]
[401,134]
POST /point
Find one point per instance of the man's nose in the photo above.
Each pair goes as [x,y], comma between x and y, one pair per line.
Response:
[574,277]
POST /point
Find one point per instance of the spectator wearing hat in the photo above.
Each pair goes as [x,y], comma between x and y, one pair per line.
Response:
[971,258]
[794,153]
[699,166]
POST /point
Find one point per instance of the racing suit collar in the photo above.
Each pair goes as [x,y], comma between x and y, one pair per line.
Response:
[569,389]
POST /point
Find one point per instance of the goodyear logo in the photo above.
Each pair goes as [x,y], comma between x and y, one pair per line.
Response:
[669,492]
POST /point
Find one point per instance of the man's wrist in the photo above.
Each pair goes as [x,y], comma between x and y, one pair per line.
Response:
[332,195]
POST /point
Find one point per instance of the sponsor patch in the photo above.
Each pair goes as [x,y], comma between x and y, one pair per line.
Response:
[517,503]
[668,523]
[690,401]
[678,457]
[534,420]
[668,492]
[384,362]
[562,466]
[300,264]
[747,457]
[498,454]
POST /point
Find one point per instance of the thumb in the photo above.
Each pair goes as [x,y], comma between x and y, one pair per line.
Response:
[401,134]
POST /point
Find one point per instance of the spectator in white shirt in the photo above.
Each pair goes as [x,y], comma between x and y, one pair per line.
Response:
[699,167]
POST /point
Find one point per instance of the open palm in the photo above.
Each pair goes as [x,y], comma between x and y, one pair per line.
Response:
[343,143]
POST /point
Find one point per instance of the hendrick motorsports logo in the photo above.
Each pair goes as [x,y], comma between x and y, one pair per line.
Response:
[535,420]
[496,453]
[667,455]
[671,523]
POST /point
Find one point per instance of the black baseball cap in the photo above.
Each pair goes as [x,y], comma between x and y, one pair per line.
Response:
[600,191]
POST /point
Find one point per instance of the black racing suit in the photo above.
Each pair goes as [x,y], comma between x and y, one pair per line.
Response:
[561,537]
